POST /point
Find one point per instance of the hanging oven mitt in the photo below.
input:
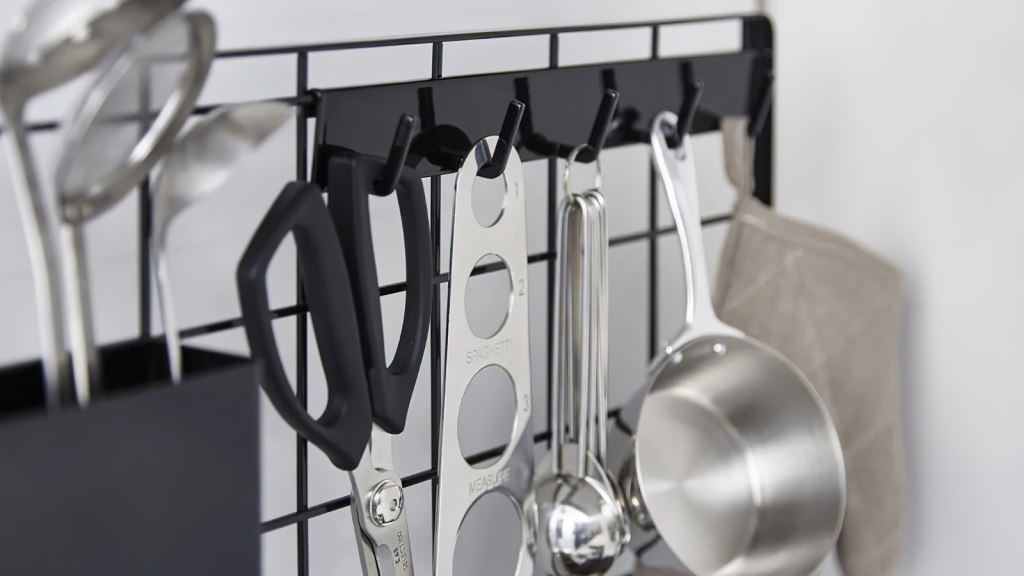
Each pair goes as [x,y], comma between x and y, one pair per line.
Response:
[833,309]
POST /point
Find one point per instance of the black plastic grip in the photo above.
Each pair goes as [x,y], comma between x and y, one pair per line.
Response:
[350,181]
[343,430]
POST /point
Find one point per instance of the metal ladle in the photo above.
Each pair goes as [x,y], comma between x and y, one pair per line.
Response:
[51,43]
[580,525]
[112,145]
[200,163]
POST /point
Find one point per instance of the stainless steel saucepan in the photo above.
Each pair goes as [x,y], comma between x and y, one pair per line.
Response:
[736,462]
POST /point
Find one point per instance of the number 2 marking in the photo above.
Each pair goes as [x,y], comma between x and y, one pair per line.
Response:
[522,287]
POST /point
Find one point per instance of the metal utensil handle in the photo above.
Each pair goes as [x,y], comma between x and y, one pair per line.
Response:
[573,311]
[85,359]
[350,182]
[676,169]
[581,314]
[167,316]
[343,430]
[600,447]
[592,322]
[584,317]
[38,220]
[561,359]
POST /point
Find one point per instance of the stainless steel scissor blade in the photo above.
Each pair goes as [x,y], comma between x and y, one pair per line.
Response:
[378,511]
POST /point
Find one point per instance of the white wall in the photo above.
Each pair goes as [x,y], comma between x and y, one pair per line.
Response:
[899,123]
[206,241]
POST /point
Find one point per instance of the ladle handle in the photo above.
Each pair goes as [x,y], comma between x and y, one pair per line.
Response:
[44,253]
[676,169]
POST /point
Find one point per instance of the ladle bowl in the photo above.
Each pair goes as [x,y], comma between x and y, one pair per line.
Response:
[200,163]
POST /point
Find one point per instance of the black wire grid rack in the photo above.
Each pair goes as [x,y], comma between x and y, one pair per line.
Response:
[561,107]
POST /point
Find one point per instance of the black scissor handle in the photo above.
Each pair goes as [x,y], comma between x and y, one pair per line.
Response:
[342,432]
[350,181]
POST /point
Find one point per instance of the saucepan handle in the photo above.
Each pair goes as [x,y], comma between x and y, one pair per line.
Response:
[343,430]
[676,170]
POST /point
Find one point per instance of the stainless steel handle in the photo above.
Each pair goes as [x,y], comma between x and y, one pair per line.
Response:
[85,358]
[38,218]
[676,169]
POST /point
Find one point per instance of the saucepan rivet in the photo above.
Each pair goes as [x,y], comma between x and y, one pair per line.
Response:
[677,358]
[719,349]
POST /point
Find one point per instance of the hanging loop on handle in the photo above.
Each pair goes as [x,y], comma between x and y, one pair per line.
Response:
[568,167]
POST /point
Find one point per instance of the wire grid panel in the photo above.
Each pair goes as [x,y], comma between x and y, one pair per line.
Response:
[320,537]
[300,535]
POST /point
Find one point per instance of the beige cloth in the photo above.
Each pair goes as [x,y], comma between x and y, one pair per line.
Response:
[833,309]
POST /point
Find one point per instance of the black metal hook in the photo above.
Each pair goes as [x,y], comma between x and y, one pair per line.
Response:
[602,125]
[687,112]
[388,179]
[759,113]
[692,91]
[495,165]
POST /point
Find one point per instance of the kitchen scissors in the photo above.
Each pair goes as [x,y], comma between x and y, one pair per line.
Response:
[368,399]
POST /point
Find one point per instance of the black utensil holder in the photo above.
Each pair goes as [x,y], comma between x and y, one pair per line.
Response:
[149,480]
